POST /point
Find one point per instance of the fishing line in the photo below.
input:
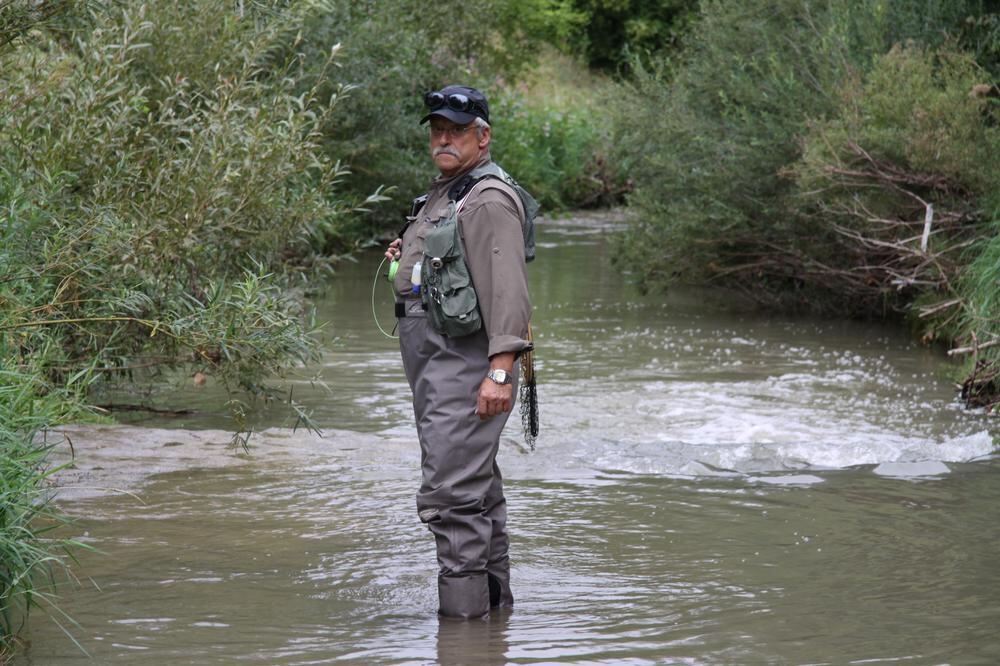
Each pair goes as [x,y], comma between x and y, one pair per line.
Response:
[378,272]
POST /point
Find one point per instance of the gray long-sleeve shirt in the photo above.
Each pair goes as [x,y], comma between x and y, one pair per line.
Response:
[490,226]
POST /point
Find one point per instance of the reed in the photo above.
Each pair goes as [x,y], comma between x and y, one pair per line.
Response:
[33,560]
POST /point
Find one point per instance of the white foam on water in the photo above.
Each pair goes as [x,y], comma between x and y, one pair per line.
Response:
[912,470]
[790,409]
[898,457]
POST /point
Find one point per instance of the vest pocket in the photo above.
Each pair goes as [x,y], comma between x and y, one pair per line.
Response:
[440,243]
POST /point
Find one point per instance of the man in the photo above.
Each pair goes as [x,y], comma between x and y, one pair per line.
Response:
[464,386]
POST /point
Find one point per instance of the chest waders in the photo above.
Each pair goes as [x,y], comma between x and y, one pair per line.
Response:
[445,353]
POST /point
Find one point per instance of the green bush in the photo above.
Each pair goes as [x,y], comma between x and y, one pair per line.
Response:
[19,17]
[392,54]
[152,220]
[155,216]
[609,32]
[711,137]
[795,150]
[706,139]
[915,144]
[913,134]
[560,156]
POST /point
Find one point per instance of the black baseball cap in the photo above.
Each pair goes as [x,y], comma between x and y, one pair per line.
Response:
[459,104]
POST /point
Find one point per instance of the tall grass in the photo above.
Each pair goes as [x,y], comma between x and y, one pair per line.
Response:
[32,559]
[980,324]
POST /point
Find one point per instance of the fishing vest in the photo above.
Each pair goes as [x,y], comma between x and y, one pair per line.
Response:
[447,291]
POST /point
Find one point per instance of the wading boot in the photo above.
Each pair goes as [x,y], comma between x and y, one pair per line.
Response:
[466,596]
[498,579]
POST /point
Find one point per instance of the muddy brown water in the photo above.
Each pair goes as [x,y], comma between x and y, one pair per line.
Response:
[712,486]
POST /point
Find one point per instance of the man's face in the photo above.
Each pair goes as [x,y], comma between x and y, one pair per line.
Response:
[456,148]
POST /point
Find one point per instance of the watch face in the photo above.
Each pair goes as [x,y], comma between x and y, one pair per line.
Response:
[499,376]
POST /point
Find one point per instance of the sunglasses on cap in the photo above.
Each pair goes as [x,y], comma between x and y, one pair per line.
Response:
[454,101]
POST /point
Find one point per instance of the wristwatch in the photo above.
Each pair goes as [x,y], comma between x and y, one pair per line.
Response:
[499,376]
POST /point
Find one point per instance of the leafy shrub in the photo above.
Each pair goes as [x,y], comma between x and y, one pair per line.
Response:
[912,142]
[156,213]
[155,217]
[19,17]
[705,140]
[798,149]
[906,176]
[609,33]
[392,54]
[559,156]
[710,138]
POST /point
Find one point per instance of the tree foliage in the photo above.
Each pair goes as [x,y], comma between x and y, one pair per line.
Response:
[395,52]
[146,208]
[611,32]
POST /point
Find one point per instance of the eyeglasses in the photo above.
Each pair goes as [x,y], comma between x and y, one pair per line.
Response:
[453,132]
[454,101]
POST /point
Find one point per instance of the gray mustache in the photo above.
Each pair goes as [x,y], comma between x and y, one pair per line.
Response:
[446,150]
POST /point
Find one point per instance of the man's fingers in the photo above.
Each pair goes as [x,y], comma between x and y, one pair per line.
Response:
[393,253]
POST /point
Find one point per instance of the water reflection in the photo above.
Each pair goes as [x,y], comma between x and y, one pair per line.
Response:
[479,642]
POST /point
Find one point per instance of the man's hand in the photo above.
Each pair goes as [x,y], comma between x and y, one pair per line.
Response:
[494,399]
[392,253]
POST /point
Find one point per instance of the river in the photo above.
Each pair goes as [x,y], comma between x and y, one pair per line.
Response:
[711,486]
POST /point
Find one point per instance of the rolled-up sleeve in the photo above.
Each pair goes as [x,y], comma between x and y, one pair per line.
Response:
[494,249]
